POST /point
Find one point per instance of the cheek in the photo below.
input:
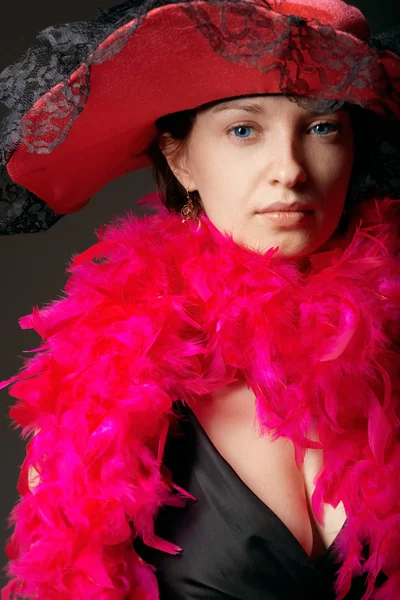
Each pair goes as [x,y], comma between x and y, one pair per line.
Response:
[207,167]
[333,171]
[221,188]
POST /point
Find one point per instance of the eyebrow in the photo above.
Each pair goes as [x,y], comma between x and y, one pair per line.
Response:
[255,108]
[252,107]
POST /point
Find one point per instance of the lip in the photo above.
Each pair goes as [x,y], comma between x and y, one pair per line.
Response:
[285,207]
[289,218]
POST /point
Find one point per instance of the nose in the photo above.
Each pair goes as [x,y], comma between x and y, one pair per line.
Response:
[286,168]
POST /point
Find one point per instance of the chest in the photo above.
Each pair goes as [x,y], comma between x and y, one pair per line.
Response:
[268,467]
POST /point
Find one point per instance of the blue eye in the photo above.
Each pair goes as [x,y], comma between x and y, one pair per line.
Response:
[241,127]
[320,129]
[325,128]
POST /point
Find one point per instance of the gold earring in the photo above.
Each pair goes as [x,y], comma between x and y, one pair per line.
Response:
[189,212]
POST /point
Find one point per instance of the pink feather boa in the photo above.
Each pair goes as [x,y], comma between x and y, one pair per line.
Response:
[158,311]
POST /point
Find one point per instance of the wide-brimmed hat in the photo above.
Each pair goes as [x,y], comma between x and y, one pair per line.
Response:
[84,102]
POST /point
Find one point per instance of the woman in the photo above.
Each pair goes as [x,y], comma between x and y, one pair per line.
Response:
[216,402]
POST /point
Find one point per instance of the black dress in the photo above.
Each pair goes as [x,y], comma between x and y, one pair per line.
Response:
[234,546]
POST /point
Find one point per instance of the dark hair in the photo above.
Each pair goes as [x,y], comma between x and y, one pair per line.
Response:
[179,126]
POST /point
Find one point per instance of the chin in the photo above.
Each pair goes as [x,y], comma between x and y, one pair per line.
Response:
[288,248]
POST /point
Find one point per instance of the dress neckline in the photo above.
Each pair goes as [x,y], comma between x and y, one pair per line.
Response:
[327,557]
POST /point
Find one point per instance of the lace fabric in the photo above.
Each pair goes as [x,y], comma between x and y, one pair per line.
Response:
[20,210]
[237,31]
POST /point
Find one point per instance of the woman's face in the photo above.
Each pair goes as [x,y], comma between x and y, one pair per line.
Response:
[245,155]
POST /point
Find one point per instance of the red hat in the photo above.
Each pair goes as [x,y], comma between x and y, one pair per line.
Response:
[84,103]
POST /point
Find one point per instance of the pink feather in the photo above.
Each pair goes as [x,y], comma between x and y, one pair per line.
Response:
[159,310]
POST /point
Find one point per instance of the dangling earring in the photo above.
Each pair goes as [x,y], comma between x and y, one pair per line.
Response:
[188,209]
[189,212]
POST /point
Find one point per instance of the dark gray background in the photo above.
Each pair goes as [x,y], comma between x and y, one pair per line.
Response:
[32,267]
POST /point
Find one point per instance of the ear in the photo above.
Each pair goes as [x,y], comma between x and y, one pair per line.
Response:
[176,158]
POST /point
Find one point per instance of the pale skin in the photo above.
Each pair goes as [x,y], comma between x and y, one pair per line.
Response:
[241,162]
